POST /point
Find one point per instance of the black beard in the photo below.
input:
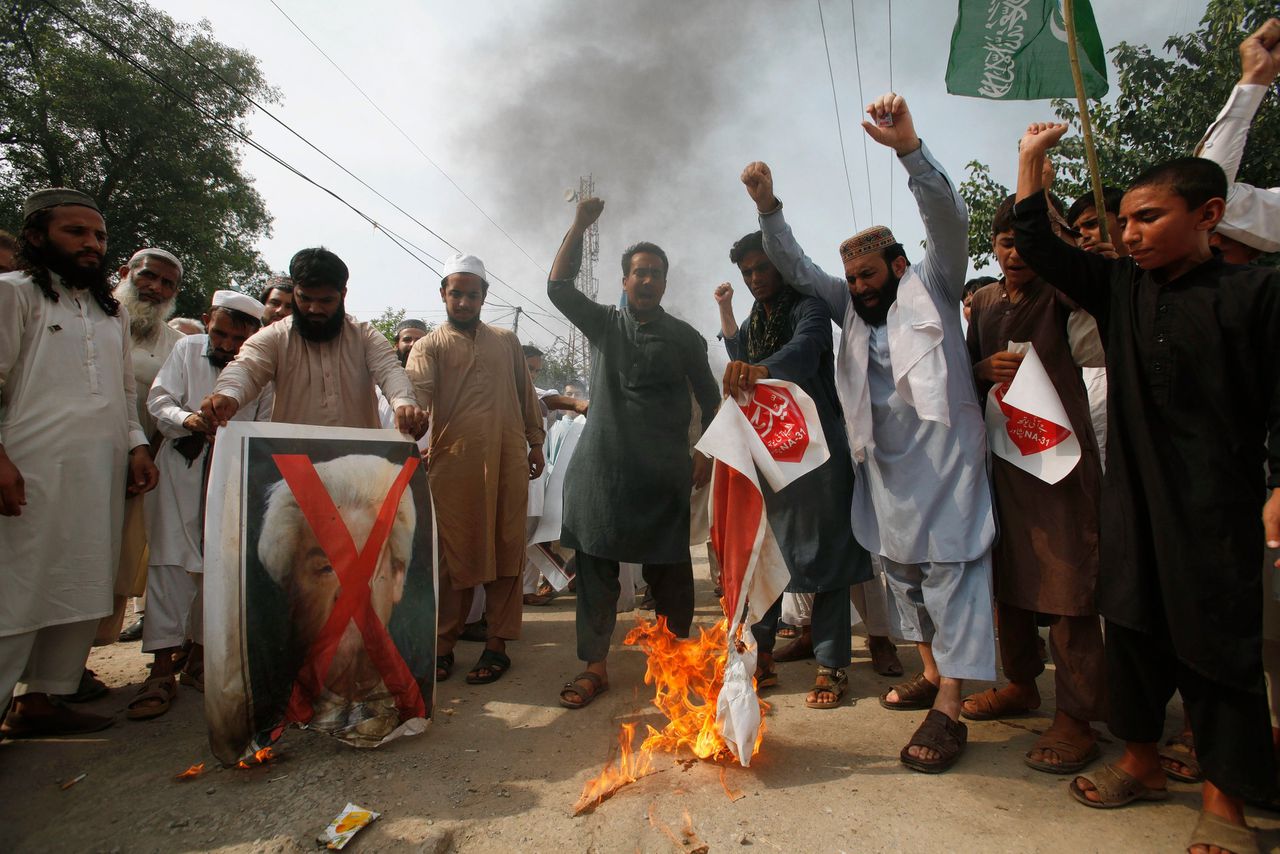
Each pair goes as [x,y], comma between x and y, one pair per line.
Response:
[465,324]
[877,314]
[403,356]
[320,330]
[220,362]
[74,275]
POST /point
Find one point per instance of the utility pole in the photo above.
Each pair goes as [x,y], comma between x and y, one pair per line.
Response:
[579,348]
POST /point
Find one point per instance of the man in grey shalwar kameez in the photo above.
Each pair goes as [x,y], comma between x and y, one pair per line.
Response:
[921,499]
[626,492]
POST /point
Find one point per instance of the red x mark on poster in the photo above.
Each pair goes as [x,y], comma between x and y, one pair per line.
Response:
[354,570]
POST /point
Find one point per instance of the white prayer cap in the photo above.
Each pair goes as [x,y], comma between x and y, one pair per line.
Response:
[463,264]
[136,259]
[238,301]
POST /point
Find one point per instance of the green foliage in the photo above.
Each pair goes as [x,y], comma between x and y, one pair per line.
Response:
[73,113]
[386,322]
[1163,106]
[558,367]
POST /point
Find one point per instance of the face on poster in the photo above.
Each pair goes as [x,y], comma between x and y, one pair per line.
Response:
[336,609]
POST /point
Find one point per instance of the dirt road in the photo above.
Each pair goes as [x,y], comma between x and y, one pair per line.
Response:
[502,766]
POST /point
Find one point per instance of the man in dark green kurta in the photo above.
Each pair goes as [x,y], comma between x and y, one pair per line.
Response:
[626,492]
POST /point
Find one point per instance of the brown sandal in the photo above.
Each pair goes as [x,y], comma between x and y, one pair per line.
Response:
[991,705]
[884,656]
[830,680]
[940,733]
[153,699]
[914,695]
[587,686]
[1115,788]
[1073,756]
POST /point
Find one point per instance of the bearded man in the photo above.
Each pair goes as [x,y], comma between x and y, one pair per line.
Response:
[277,299]
[325,365]
[148,288]
[175,514]
[921,501]
[71,448]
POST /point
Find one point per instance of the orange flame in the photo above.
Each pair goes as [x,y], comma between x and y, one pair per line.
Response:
[191,773]
[687,676]
[261,757]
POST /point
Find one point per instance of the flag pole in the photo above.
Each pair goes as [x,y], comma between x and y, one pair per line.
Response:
[1090,153]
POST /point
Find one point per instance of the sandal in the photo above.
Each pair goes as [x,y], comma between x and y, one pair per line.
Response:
[587,686]
[991,705]
[1115,788]
[786,631]
[1073,756]
[917,694]
[939,733]
[497,663]
[89,689]
[444,666]
[884,656]
[1215,831]
[1181,750]
[830,680]
[153,699]
[539,598]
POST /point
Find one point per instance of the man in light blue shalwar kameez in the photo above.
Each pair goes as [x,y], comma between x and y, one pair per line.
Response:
[922,502]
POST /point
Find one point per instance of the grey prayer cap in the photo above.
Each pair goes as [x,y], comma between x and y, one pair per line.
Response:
[54,196]
[410,323]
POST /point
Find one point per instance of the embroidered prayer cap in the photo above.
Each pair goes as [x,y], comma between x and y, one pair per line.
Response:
[874,239]
[155,252]
[463,264]
[239,302]
[52,198]
[410,323]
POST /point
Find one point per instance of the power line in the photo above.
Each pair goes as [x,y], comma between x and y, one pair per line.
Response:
[410,140]
[844,159]
[857,61]
[159,31]
[395,238]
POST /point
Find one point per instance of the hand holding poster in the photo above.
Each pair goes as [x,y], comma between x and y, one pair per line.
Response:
[1027,425]
[320,580]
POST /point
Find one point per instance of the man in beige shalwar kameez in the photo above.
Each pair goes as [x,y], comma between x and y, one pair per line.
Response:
[486,445]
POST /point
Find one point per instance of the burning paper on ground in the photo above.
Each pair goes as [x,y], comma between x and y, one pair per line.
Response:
[349,822]
[191,773]
[706,686]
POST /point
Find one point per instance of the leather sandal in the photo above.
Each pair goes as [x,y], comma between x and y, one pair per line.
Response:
[586,686]
[832,680]
[914,695]
[938,733]
[1115,788]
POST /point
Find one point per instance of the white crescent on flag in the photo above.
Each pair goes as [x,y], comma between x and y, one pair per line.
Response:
[775,433]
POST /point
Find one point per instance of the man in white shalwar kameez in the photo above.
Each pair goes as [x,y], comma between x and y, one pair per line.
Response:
[175,511]
[922,501]
[71,448]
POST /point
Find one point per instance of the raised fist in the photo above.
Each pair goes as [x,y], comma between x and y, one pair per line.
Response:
[589,210]
[759,183]
[724,294]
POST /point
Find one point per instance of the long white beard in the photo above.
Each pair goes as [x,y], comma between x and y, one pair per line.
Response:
[144,317]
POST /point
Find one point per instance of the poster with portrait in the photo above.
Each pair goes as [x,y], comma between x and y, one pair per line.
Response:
[320,586]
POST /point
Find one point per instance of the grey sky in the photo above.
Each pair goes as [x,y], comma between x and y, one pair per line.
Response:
[664,102]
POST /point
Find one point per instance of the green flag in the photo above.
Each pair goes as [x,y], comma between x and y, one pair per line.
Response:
[1016,50]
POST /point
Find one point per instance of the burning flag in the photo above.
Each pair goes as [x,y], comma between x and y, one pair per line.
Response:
[775,433]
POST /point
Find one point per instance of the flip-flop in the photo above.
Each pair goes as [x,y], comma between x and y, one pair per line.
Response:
[1116,789]
[497,663]
[595,686]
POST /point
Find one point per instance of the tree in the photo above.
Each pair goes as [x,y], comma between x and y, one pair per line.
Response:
[75,113]
[1163,106]
[386,322]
